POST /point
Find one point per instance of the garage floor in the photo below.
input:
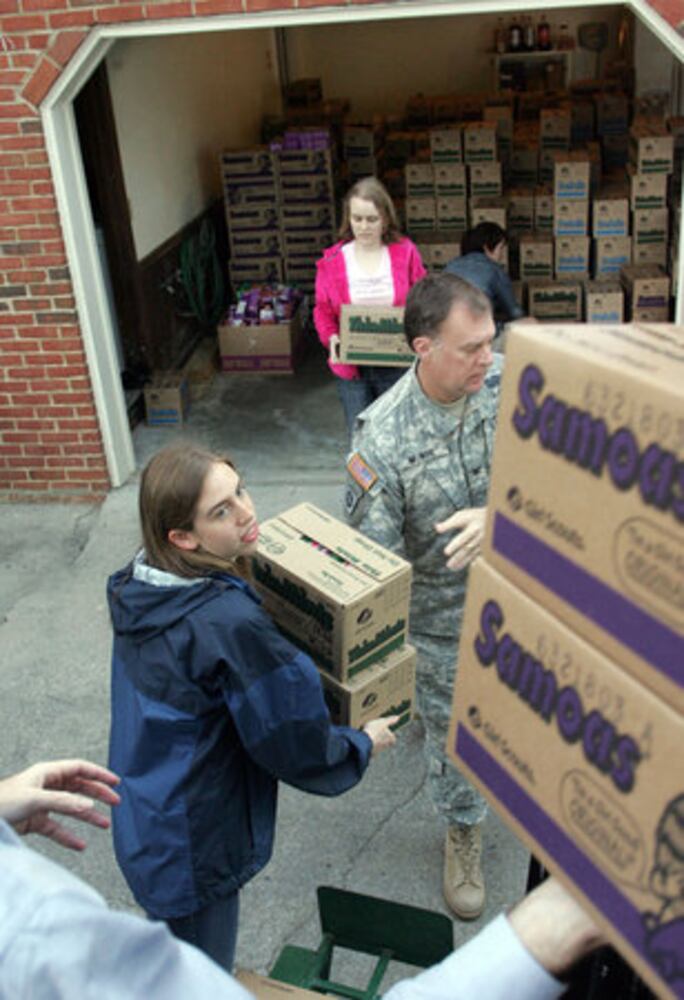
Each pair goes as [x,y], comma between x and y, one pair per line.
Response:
[287,434]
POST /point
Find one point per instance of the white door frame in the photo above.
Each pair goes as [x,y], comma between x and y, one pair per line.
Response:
[96,321]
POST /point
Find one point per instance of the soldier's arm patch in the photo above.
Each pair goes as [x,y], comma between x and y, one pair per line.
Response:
[361,472]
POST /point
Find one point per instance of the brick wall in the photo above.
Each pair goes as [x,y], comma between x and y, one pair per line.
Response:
[50,442]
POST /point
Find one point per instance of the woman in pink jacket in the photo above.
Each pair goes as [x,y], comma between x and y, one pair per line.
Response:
[372,264]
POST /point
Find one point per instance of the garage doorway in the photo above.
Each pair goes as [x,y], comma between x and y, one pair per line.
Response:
[99,317]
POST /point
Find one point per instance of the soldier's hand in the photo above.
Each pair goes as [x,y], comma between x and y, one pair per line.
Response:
[380,732]
[467,543]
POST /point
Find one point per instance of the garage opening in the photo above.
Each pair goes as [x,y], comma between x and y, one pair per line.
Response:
[160,252]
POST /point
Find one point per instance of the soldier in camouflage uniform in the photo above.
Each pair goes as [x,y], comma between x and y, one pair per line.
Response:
[417,473]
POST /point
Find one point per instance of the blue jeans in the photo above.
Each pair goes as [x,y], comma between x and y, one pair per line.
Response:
[358,393]
[213,929]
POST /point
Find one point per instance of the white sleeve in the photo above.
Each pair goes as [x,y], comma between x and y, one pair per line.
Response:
[494,965]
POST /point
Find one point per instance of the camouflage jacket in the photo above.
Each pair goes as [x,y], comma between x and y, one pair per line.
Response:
[414,463]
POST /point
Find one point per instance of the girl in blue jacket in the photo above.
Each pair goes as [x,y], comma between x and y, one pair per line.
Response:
[211,705]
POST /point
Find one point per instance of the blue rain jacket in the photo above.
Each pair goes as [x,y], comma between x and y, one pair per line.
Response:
[211,706]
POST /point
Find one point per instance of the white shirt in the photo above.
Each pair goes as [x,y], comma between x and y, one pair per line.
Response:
[369,289]
[59,941]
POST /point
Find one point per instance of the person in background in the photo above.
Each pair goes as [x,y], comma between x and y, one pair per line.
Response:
[371,264]
[211,705]
[417,477]
[59,940]
[481,263]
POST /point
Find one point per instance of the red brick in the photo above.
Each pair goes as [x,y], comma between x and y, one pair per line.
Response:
[65,45]
[41,81]
[163,11]
[15,111]
[10,25]
[45,4]
[27,143]
[204,7]
[10,76]
[18,438]
[118,12]
[41,449]
[256,5]
[72,19]
[7,450]
[66,461]
[39,42]
[9,6]
[57,260]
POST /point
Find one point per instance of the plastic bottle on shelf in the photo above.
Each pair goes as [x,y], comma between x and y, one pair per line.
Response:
[500,37]
[565,39]
[543,34]
[529,35]
[514,36]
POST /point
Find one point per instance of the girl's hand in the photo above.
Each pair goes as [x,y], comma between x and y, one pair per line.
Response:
[380,732]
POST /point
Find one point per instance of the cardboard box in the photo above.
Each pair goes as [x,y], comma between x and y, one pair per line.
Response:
[257,161]
[650,225]
[360,141]
[264,988]
[419,180]
[571,256]
[604,302]
[255,270]
[611,254]
[484,180]
[166,399]
[387,688]
[450,180]
[536,256]
[646,287]
[647,190]
[543,209]
[269,348]
[479,142]
[524,164]
[570,218]
[305,161]
[306,187]
[651,149]
[610,216]
[489,210]
[297,242]
[584,511]
[651,253]
[555,127]
[612,114]
[374,335]
[245,217]
[238,194]
[201,367]
[520,209]
[421,213]
[256,243]
[340,596]
[577,757]
[452,213]
[443,252]
[571,178]
[304,215]
[300,272]
[555,300]
[446,145]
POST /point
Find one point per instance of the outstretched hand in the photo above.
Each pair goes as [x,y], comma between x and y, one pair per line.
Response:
[467,543]
[68,787]
[381,732]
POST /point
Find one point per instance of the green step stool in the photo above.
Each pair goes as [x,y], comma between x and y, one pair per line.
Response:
[367,924]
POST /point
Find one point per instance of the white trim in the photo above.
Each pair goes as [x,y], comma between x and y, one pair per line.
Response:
[72,194]
[96,323]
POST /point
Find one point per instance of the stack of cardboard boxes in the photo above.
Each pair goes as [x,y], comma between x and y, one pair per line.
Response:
[344,600]
[569,700]
[280,208]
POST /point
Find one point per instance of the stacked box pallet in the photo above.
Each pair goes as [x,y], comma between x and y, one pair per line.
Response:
[307,203]
[361,145]
[344,600]
[251,197]
[568,706]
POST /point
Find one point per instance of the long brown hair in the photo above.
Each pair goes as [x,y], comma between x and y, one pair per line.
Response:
[370,189]
[170,488]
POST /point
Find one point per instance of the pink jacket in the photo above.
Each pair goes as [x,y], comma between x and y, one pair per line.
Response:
[332,289]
